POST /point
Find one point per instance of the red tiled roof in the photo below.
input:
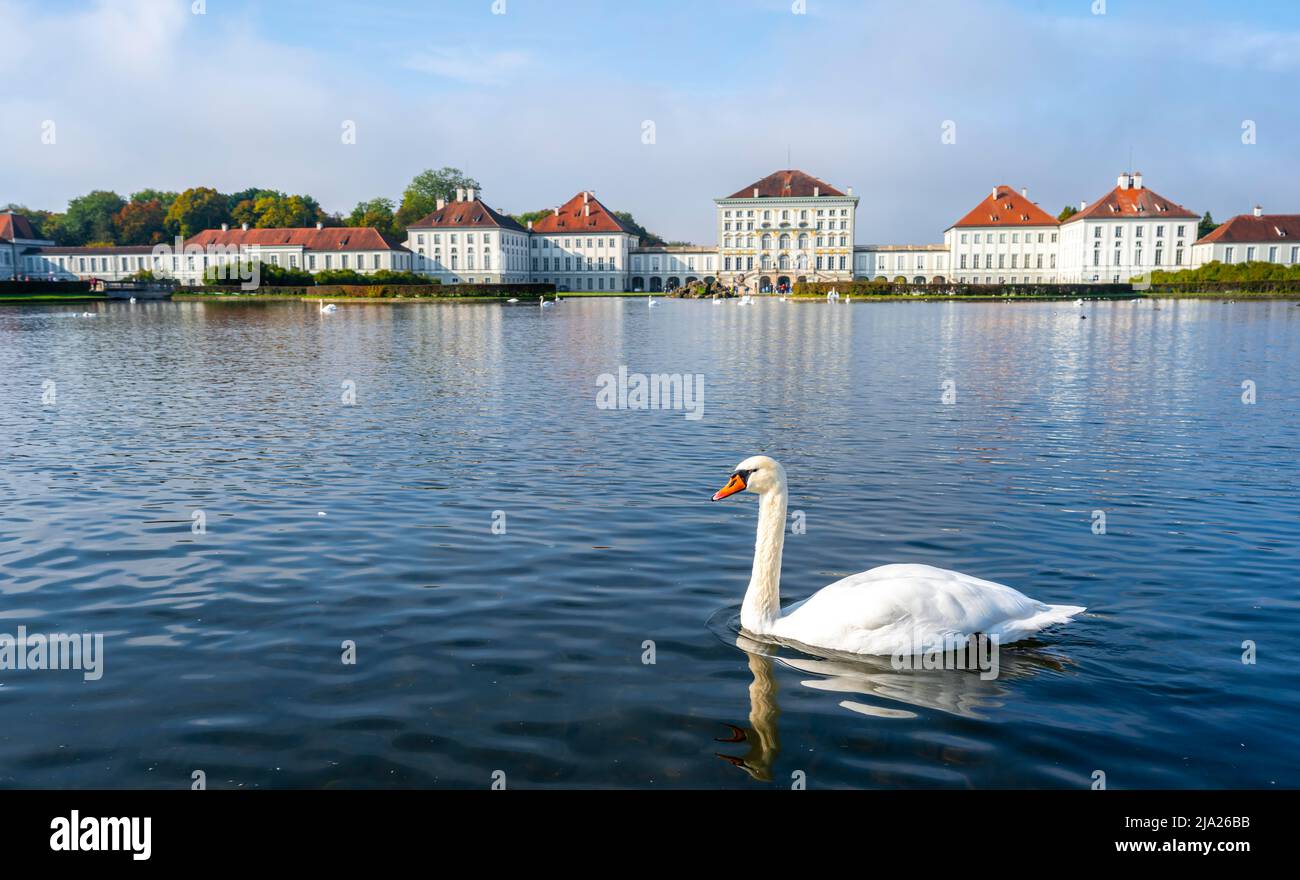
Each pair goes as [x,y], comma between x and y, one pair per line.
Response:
[334,238]
[1006,207]
[790,183]
[471,214]
[1265,228]
[1122,203]
[107,251]
[575,215]
[14,226]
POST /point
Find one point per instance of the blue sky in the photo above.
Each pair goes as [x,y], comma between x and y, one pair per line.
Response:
[551,97]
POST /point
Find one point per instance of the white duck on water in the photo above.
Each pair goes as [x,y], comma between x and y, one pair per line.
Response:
[891,609]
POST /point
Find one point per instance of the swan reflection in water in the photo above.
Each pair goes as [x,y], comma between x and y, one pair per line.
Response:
[956,692]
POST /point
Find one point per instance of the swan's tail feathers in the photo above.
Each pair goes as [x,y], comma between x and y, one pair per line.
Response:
[1055,614]
[1016,630]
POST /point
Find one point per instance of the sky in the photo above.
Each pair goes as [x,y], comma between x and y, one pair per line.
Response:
[659,106]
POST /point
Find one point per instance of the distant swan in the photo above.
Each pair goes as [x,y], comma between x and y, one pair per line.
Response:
[545,304]
[512,300]
[891,609]
[329,307]
[651,302]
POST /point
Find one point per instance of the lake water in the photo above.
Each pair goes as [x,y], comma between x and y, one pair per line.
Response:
[193,487]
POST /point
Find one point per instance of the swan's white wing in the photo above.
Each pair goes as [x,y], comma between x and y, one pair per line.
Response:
[910,608]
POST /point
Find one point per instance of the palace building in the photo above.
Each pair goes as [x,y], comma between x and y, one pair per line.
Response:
[581,245]
[780,230]
[785,228]
[1005,238]
[1247,238]
[1128,232]
[467,241]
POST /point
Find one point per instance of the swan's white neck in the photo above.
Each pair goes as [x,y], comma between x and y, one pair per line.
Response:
[762,606]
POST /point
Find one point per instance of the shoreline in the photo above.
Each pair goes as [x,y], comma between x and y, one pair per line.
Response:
[56,299]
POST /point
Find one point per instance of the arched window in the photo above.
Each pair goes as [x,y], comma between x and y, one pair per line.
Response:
[803,241]
[785,261]
[785,242]
[767,242]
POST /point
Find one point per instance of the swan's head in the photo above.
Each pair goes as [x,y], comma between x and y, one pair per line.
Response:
[758,474]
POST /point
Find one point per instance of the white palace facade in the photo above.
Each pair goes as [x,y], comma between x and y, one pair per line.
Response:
[782,229]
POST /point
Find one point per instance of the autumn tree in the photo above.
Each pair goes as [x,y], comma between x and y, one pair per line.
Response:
[195,210]
[140,222]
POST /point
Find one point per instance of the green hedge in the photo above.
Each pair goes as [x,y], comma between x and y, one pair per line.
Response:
[1278,286]
[880,287]
[1224,273]
[391,291]
[9,285]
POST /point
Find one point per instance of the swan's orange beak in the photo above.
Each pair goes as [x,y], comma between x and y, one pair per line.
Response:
[734,485]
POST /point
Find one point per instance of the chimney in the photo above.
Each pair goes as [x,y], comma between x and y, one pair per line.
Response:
[243,226]
[995,194]
[817,190]
[755,192]
[1137,179]
[850,190]
[1259,210]
[225,227]
[585,196]
[586,210]
[1024,191]
[1082,205]
[320,225]
[557,211]
[442,203]
[530,226]
[469,194]
[460,194]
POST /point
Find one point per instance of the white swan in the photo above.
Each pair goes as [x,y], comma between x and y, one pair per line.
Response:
[512,300]
[891,609]
[329,308]
[545,304]
[651,302]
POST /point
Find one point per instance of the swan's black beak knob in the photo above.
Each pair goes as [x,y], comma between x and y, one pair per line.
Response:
[734,485]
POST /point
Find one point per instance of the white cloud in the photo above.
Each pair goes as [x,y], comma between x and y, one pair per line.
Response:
[477,67]
[144,95]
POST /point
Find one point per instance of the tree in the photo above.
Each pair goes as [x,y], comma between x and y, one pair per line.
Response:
[420,197]
[376,212]
[140,223]
[280,211]
[197,209]
[1206,226]
[162,196]
[530,216]
[1066,213]
[647,237]
[41,220]
[90,217]
[268,209]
